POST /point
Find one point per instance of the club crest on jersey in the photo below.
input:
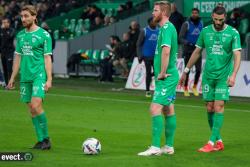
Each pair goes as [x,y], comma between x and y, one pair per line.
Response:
[46,33]
[223,39]
[33,40]
[165,26]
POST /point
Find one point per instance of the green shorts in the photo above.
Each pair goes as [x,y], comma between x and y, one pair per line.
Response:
[32,89]
[215,89]
[165,90]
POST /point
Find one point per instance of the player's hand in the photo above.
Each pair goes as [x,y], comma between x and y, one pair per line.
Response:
[162,76]
[183,79]
[11,84]
[48,85]
[231,80]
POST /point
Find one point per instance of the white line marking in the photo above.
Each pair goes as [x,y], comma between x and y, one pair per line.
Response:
[124,100]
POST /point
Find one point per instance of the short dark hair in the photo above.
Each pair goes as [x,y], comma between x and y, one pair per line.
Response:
[150,19]
[219,10]
[115,37]
[196,9]
[6,18]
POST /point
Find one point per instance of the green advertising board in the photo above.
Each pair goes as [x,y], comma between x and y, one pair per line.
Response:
[206,6]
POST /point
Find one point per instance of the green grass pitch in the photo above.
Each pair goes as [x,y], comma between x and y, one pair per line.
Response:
[82,108]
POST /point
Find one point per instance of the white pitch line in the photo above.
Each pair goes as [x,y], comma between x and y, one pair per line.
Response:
[123,100]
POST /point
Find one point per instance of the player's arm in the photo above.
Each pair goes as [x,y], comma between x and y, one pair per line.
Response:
[237,60]
[164,62]
[15,70]
[236,46]
[48,68]
[48,61]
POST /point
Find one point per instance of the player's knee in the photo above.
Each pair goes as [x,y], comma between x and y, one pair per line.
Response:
[219,108]
[35,107]
[210,106]
[155,110]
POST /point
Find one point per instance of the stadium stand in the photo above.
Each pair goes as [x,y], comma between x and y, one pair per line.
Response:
[93,16]
[46,9]
[68,20]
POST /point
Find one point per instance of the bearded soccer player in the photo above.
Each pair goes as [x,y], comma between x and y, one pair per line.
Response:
[33,58]
[166,80]
[222,44]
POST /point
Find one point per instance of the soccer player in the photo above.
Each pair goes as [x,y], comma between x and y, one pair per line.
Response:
[32,56]
[222,44]
[166,80]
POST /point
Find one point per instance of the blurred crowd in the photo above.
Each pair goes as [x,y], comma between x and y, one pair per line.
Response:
[45,8]
[105,17]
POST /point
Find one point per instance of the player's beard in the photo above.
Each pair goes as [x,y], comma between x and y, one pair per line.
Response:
[157,19]
[27,24]
[219,27]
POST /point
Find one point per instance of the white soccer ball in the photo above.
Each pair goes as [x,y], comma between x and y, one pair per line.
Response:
[91,146]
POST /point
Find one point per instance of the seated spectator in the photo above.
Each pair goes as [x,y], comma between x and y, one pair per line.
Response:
[121,8]
[112,19]
[129,4]
[125,7]
[234,19]
[107,20]
[92,12]
[46,9]
[98,23]
[106,64]
[123,54]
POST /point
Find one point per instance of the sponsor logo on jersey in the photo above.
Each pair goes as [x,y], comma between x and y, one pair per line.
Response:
[163,92]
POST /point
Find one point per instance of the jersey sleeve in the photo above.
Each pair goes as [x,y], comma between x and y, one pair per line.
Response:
[47,44]
[166,34]
[18,47]
[200,41]
[236,45]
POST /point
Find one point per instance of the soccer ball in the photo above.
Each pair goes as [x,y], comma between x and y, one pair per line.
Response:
[91,146]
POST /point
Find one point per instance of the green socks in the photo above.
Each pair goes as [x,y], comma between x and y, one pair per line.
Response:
[157,126]
[39,133]
[210,117]
[43,124]
[217,124]
[170,127]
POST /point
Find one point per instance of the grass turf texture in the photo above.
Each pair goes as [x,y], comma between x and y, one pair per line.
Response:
[80,108]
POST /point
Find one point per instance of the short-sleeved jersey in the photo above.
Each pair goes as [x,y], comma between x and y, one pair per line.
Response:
[167,37]
[32,47]
[219,46]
